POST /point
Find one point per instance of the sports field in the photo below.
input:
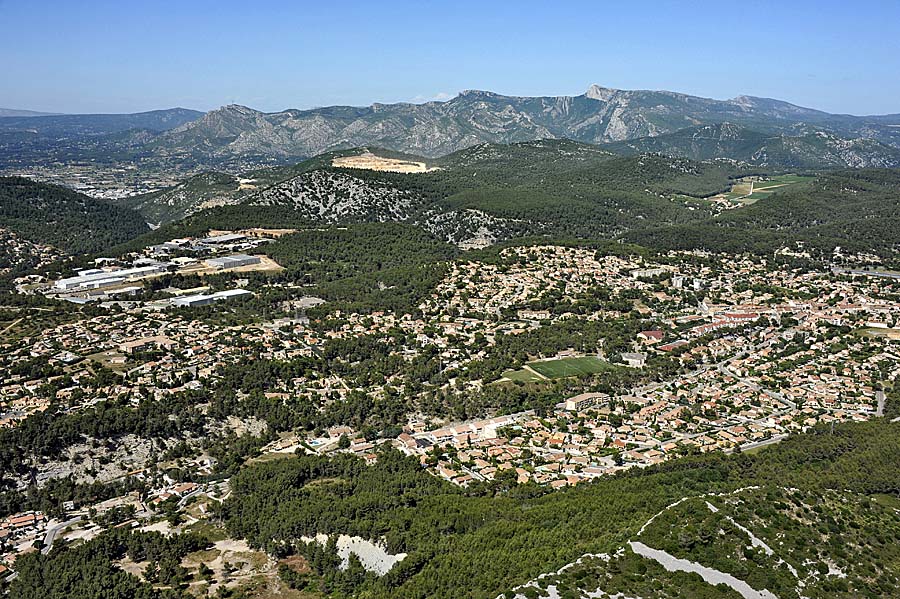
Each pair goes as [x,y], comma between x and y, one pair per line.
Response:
[556,369]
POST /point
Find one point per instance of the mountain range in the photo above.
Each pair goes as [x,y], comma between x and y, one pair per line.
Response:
[600,115]
[755,130]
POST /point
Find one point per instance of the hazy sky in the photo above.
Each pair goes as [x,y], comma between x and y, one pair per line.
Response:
[132,55]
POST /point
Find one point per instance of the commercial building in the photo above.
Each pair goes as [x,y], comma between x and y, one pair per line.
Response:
[233,261]
[193,301]
[95,279]
[223,239]
[647,273]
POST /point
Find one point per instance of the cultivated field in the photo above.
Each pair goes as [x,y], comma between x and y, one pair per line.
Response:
[748,191]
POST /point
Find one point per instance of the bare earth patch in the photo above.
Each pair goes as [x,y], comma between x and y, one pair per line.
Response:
[371,162]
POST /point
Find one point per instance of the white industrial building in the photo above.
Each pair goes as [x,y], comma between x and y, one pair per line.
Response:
[233,261]
[95,278]
[221,239]
[193,301]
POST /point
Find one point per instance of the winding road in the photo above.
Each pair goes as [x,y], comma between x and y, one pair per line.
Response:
[54,531]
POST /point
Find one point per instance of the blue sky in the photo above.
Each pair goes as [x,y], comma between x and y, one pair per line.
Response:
[131,55]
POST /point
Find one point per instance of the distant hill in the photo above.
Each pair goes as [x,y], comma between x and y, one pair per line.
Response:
[100,124]
[62,218]
[818,149]
[10,112]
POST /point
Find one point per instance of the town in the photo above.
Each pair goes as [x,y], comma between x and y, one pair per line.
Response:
[720,354]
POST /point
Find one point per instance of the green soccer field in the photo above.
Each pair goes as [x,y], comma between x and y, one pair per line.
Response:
[555,369]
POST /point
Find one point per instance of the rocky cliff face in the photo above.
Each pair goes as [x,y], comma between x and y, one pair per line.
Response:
[437,128]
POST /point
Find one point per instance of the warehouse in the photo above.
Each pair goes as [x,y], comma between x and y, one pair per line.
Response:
[222,239]
[95,279]
[233,261]
[193,301]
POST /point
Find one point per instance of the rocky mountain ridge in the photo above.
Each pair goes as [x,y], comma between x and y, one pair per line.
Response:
[600,115]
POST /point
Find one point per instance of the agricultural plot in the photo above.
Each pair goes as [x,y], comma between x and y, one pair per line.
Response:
[747,192]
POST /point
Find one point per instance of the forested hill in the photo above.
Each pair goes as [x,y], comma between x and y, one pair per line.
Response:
[63,218]
[811,149]
[857,210]
[824,502]
[490,191]
[560,188]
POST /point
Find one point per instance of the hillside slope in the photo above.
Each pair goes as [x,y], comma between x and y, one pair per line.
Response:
[474,197]
[856,210]
[62,218]
[817,149]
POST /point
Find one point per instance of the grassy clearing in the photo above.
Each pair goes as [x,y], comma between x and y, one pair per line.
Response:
[781,180]
[889,501]
[211,531]
[522,375]
[270,457]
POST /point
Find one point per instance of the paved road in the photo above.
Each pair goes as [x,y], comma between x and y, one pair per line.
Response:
[183,501]
[773,394]
[11,325]
[879,395]
[758,444]
[54,531]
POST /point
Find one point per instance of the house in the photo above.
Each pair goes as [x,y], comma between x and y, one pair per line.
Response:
[634,359]
[534,314]
[670,346]
[650,337]
[129,347]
